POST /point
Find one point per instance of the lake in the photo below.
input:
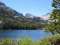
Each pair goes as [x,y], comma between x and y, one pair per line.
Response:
[16,34]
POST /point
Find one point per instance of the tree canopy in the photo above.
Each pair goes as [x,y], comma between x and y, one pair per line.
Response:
[54,20]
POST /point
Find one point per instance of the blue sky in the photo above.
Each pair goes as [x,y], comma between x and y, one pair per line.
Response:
[35,7]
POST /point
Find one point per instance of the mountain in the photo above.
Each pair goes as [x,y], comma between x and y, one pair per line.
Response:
[11,19]
[7,11]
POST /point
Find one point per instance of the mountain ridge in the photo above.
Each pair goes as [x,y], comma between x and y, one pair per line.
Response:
[11,19]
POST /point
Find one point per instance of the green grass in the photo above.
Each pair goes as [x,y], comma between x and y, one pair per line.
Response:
[51,40]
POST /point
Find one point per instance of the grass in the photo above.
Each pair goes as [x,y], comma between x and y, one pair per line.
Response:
[51,40]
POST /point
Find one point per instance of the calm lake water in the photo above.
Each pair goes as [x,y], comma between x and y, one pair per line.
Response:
[34,34]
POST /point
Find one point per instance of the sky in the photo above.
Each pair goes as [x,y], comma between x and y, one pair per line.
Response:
[35,7]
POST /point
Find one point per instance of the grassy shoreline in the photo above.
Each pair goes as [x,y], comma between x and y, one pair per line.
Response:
[51,40]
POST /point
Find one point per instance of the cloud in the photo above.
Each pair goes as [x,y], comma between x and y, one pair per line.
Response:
[45,17]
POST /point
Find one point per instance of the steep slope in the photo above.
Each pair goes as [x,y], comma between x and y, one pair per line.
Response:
[11,19]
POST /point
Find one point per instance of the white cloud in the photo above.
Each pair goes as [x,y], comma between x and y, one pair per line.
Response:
[45,17]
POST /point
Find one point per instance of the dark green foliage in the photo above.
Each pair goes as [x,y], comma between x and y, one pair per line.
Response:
[54,19]
[56,4]
[54,22]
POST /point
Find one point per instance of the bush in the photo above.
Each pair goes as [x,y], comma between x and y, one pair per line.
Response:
[51,40]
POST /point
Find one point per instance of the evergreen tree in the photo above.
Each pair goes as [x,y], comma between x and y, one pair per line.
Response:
[54,21]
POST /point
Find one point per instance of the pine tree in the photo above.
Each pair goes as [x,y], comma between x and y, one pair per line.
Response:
[54,20]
